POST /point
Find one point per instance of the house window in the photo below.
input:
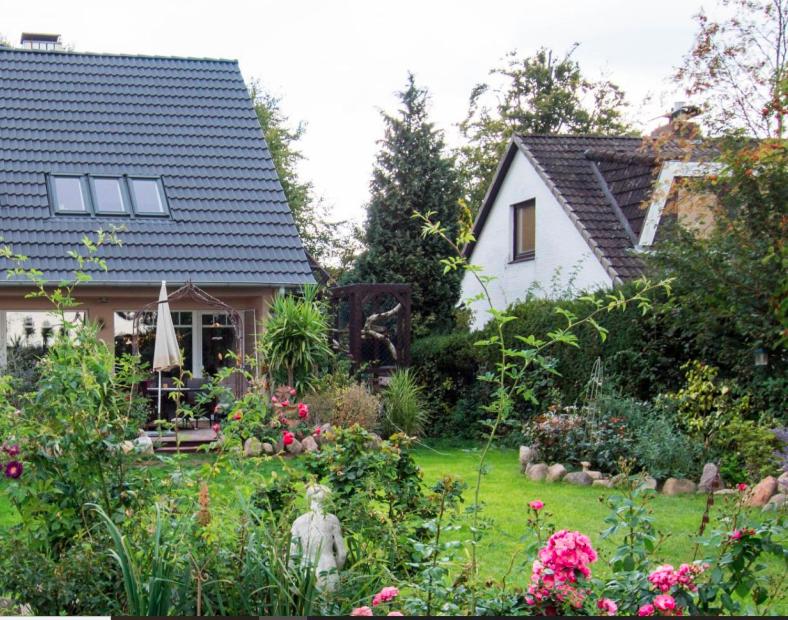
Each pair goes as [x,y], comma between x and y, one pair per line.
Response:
[109,195]
[69,194]
[124,334]
[524,230]
[148,196]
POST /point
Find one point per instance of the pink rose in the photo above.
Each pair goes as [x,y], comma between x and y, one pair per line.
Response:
[303,410]
[292,392]
[608,606]
[285,403]
[216,427]
[736,535]
[385,595]
[741,487]
[317,431]
[537,505]
[12,450]
[664,602]
[287,438]
[361,611]
[274,399]
[646,610]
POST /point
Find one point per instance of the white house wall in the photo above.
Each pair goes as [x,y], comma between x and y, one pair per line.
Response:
[561,252]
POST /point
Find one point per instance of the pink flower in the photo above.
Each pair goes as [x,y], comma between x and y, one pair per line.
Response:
[664,602]
[14,469]
[216,427]
[303,410]
[736,535]
[361,611]
[285,403]
[646,610]
[560,562]
[741,487]
[537,505]
[385,595]
[292,392]
[317,431]
[12,450]
[274,399]
[608,606]
[287,438]
[237,416]
[394,613]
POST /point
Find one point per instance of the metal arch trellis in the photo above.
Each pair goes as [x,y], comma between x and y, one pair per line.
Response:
[195,293]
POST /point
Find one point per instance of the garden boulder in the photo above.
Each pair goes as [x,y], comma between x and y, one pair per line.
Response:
[268,448]
[710,479]
[782,483]
[595,475]
[678,486]
[606,483]
[555,472]
[777,502]
[309,444]
[253,447]
[579,478]
[537,471]
[527,456]
[144,445]
[295,448]
[648,482]
[762,492]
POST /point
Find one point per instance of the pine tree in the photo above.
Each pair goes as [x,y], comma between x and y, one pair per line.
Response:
[412,174]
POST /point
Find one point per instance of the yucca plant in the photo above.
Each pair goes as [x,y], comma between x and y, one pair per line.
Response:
[403,404]
[143,598]
[295,341]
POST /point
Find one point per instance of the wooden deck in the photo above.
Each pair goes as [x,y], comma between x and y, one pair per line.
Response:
[189,440]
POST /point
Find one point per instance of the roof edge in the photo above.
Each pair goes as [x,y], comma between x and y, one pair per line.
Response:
[118,55]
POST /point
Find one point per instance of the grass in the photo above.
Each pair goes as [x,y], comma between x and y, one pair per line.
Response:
[505,494]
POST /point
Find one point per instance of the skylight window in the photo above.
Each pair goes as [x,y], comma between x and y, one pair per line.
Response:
[148,196]
[69,194]
[109,195]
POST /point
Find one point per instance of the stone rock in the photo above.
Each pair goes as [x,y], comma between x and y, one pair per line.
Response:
[295,448]
[710,479]
[253,447]
[586,465]
[648,483]
[127,447]
[782,483]
[579,478]
[555,472]
[777,502]
[144,445]
[762,492]
[618,480]
[678,486]
[726,492]
[595,475]
[537,471]
[603,482]
[528,455]
[309,444]
[268,448]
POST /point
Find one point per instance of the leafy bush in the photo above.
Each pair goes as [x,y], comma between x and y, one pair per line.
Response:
[355,404]
[295,341]
[403,405]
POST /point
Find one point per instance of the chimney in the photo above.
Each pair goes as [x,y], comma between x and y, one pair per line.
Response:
[40,41]
[679,124]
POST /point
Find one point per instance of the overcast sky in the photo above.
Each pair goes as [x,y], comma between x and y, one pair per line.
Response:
[336,64]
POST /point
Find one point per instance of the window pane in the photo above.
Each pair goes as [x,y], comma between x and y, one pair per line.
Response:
[124,331]
[525,229]
[68,194]
[109,197]
[146,196]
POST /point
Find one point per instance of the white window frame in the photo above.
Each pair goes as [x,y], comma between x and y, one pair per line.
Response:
[659,197]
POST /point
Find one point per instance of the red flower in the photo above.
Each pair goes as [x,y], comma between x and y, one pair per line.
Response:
[317,431]
[536,505]
[13,469]
[216,427]
[237,415]
[287,438]
[303,410]
[741,487]
[292,392]
[12,450]
[285,403]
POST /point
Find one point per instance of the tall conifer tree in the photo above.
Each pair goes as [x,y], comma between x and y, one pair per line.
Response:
[412,174]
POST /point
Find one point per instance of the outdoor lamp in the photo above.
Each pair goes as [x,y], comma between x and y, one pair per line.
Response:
[761,357]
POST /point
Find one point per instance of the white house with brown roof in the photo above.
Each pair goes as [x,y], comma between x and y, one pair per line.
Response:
[567,214]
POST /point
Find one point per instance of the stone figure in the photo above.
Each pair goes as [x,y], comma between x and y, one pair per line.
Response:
[316,539]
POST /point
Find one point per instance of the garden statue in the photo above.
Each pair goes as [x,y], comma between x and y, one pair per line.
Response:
[316,538]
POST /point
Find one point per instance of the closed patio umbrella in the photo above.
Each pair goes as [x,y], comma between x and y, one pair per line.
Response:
[166,353]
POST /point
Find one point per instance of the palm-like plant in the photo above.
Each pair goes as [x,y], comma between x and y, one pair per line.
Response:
[403,404]
[295,341]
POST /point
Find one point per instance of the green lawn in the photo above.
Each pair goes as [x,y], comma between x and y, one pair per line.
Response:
[505,493]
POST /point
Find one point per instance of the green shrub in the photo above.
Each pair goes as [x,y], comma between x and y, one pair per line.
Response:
[403,405]
[295,340]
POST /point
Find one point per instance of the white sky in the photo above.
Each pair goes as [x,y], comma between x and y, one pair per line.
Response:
[337,63]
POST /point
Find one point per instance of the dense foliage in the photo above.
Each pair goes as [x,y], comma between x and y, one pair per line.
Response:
[412,174]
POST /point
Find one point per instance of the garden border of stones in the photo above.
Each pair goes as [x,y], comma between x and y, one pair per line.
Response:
[769,494]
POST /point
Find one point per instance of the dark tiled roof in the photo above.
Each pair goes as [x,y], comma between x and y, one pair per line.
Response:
[563,161]
[187,120]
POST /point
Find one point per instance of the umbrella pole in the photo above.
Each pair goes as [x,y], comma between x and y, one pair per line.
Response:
[159,410]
